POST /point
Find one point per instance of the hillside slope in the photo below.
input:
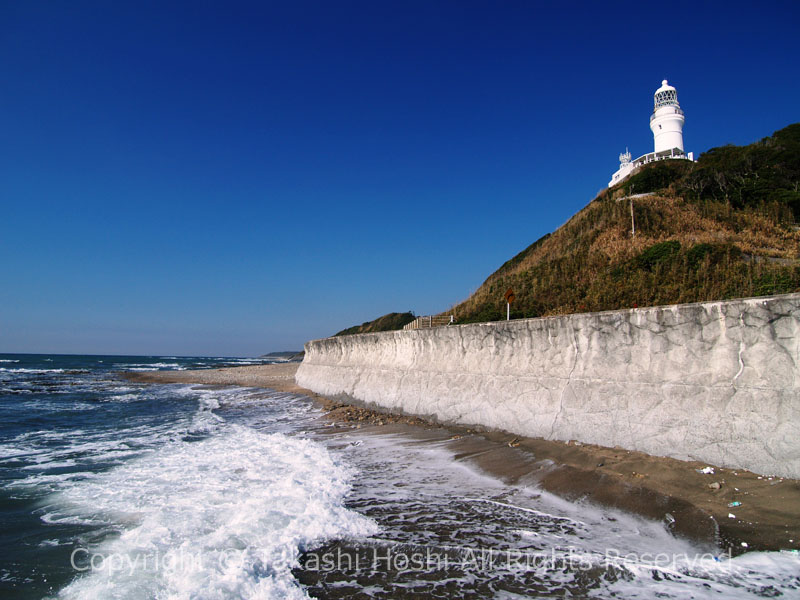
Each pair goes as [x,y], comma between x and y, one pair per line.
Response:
[723,227]
[389,322]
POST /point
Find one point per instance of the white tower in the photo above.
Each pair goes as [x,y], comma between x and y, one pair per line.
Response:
[667,119]
[667,125]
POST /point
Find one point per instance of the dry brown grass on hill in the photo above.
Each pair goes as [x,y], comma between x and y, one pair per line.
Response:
[678,220]
[682,252]
[752,233]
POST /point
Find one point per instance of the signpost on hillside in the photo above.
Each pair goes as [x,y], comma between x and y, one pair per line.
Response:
[509,295]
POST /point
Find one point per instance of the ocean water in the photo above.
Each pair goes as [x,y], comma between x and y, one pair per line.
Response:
[110,489]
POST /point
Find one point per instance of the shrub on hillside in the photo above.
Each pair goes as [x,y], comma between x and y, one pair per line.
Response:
[657,253]
[656,176]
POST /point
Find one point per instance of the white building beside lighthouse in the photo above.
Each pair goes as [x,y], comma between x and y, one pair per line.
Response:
[666,123]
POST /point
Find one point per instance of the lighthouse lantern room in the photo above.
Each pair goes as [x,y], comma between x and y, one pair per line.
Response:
[667,119]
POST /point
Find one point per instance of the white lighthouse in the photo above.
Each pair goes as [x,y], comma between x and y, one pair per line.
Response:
[667,119]
[666,123]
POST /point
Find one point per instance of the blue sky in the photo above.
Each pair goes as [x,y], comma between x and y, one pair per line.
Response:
[231,178]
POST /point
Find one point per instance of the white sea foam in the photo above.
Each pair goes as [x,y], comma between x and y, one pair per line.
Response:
[421,486]
[23,370]
[50,449]
[151,366]
[222,517]
[125,398]
[7,390]
[6,360]
[51,464]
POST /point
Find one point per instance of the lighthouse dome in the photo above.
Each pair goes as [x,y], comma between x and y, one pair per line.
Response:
[666,95]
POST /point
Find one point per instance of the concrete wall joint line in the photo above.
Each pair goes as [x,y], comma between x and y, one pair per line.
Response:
[566,385]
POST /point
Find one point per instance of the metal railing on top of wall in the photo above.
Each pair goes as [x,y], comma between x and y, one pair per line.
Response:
[430,321]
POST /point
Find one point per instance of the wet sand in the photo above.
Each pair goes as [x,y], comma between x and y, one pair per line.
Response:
[692,504]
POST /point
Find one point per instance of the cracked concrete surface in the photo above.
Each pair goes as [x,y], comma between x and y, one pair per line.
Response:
[716,382]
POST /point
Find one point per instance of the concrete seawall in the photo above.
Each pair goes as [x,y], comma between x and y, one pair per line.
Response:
[716,382]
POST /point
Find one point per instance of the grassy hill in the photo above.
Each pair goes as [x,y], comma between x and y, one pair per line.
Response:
[388,322]
[724,227]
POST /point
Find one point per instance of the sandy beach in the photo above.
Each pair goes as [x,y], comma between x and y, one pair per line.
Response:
[735,509]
